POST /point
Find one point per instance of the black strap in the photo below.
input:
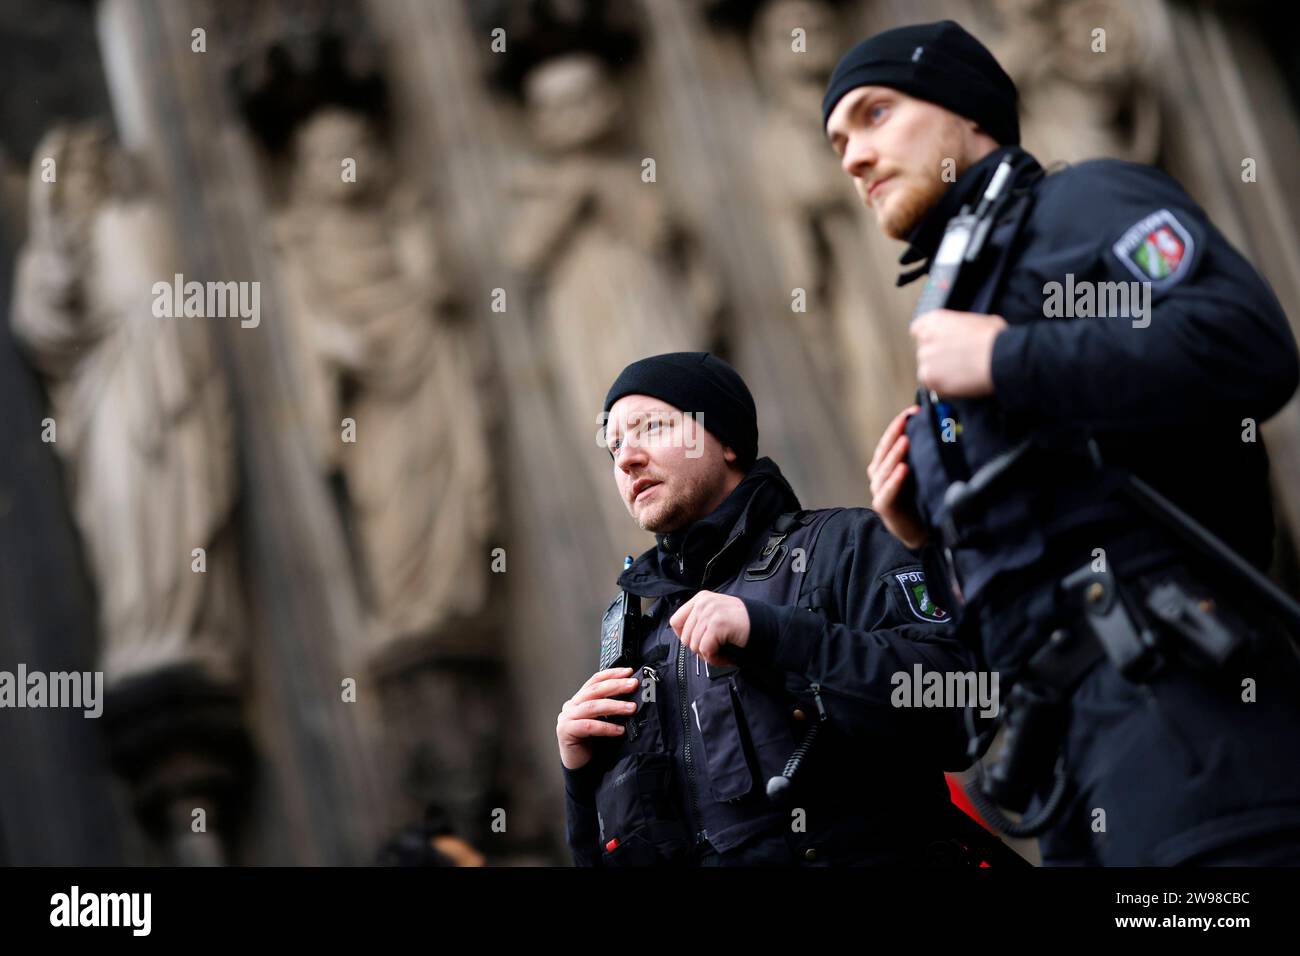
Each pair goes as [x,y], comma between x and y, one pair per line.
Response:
[1019,202]
[1063,661]
[772,553]
[791,520]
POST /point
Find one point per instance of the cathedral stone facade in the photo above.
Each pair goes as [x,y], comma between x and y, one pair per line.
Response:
[309,309]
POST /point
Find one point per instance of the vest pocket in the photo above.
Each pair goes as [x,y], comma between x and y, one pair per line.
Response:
[731,776]
[634,807]
[768,725]
[644,729]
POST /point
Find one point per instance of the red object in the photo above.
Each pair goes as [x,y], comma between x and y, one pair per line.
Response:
[958,796]
[611,845]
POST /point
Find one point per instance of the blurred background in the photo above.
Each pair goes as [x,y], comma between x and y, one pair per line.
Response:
[341,549]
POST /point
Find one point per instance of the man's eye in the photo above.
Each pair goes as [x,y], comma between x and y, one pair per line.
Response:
[877,111]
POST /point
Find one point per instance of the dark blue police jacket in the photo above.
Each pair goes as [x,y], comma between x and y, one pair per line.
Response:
[837,603]
[1173,393]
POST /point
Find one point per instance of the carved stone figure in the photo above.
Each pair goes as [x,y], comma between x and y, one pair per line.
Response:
[1078,99]
[141,413]
[611,278]
[854,323]
[385,347]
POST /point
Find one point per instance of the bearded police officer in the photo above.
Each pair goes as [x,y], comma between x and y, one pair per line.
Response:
[767,620]
[1082,465]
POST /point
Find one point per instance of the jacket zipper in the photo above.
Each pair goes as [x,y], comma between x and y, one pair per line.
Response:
[817,698]
[701,835]
[683,696]
[704,581]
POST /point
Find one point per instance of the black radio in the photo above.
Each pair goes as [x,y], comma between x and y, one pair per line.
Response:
[621,633]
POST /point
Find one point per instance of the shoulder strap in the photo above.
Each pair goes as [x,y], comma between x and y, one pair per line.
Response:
[772,553]
[1022,198]
[789,521]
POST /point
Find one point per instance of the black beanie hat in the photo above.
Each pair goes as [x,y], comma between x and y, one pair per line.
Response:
[939,62]
[697,382]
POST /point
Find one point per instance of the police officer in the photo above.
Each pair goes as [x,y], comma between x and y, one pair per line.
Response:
[766,620]
[1101,330]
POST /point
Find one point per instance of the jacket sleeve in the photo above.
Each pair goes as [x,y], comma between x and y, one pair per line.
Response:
[862,628]
[582,830]
[1215,342]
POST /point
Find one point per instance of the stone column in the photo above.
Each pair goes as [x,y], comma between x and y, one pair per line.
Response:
[321,795]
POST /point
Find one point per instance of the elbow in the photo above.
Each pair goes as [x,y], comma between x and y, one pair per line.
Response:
[1287,379]
[1277,377]
[1279,367]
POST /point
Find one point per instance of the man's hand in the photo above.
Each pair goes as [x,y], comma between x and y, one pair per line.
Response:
[460,852]
[954,352]
[710,621]
[578,718]
[887,474]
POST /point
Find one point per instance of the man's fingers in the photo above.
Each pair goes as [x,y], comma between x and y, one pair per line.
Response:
[607,674]
[682,614]
[699,633]
[876,455]
[891,461]
[925,363]
[606,688]
[924,324]
[891,487]
[896,454]
[892,431]
[711,650]
[887,438]
[596,708]
[594,728]
[885,491]
[689,627]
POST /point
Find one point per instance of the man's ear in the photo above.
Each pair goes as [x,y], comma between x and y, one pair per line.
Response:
[984,141]
[729,455]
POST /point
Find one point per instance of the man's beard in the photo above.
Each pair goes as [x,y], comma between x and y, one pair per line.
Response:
[673,514]
[910,201]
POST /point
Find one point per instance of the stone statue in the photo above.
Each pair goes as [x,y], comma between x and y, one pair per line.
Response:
[855,322]
[610,275]
[1078,102]
[142,420]
[384,346]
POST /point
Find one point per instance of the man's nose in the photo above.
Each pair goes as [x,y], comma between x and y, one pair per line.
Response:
[859,156]
[629,455]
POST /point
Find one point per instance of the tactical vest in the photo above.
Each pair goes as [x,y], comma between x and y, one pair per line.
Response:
[1008,537]
[693,763]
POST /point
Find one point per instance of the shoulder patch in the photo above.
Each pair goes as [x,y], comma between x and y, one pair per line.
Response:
[916,594]
[1156,249]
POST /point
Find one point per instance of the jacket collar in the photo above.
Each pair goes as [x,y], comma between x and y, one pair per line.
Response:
[710,549]
[924,240]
